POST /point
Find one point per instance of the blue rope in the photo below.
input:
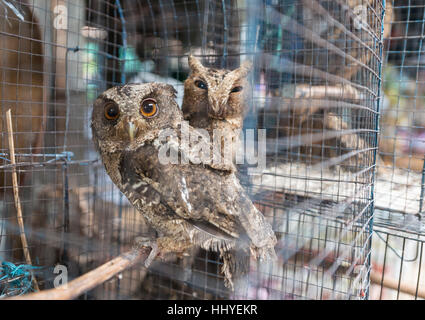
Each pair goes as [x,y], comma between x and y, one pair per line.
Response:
[17,279]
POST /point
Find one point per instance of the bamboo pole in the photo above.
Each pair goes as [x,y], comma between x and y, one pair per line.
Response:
[16,195]
[89,280]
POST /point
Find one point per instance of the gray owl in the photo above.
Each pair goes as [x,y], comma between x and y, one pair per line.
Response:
[187,204]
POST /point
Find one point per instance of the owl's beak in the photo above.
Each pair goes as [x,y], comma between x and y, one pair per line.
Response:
[216,107]
[132,130]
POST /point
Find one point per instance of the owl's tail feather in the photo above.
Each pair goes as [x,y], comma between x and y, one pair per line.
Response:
[235,266]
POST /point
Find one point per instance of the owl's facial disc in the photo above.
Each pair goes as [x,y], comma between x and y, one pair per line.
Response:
[220,98]
[125,116]
[217,105]
[128,129]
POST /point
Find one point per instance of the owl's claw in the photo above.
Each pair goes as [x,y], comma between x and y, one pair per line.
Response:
[143,242]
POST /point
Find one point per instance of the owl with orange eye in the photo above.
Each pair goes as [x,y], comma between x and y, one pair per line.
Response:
[187,204]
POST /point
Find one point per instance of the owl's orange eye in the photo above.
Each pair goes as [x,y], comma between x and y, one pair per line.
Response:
[112,111]
[149,108]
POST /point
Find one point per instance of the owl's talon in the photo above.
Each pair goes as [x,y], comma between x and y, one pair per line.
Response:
[143,242]
[152,255]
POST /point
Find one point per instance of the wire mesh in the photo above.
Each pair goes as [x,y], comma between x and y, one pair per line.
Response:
[315,89]
[398,240]
[400,141]
[397,272]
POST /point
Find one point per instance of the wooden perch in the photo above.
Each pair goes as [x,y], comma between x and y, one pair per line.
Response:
[91,279]
[16,195]
[339,92]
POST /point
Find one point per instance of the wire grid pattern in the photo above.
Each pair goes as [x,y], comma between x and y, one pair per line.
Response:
[52,67]
[397,251]
[315,89]
[316,191]
[401,142]
[398,269]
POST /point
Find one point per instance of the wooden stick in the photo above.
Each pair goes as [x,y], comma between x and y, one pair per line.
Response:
[376,277]
[339,91]
[16,196]
[90,279]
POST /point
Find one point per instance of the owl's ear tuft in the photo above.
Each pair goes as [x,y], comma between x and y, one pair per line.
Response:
[244,69]
[102,97]
[246,65]
[195,64]
[170,88]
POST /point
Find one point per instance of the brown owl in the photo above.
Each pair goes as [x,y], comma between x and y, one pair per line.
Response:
[215,99]
[187,204]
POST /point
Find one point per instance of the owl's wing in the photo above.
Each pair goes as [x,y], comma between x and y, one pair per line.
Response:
[210,199]
[214,158]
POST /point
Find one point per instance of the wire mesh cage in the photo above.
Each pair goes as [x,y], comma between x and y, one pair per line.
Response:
[398,240]
[313,102]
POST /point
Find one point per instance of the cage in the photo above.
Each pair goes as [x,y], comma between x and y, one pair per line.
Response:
[398,238]
[314,93]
